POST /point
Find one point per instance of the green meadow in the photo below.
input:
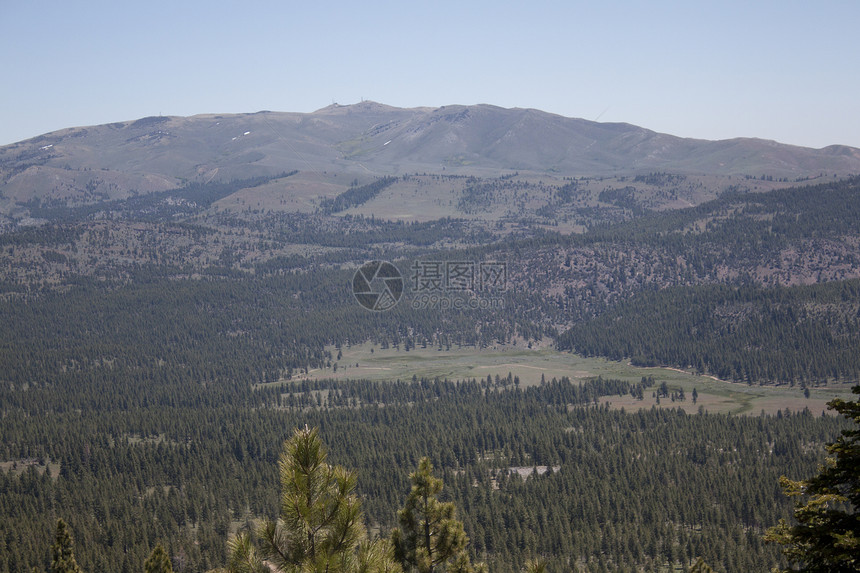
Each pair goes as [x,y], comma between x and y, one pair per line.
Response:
[371,362]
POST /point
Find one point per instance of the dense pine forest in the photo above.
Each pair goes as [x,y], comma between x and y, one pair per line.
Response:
[805,334]
[155,354]
[536,471]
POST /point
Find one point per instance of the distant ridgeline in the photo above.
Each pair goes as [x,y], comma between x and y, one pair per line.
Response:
[827,209]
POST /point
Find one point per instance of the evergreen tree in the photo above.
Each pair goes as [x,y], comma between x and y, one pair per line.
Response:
[158,561]
[536,566]
[243,556]
[827,535]
[701,567]
[430,537]
[321,527]
[63,551]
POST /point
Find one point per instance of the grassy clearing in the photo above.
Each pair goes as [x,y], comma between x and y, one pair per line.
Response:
[416,199]
[370,362]
[18,467]
[298,193]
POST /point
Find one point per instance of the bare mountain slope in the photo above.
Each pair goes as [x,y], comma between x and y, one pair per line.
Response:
[82,165]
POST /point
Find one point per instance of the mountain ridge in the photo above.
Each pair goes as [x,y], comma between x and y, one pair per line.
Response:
[117,160]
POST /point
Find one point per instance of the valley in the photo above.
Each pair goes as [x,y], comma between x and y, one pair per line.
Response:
[178,295]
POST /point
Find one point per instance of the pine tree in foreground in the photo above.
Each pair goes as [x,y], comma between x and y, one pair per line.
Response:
[63,551]
[430,538]
[320,528]
[826,538]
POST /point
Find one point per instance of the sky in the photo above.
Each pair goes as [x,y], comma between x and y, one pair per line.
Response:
[786,71]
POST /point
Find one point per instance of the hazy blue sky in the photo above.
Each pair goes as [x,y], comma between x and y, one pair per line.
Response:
[777,70]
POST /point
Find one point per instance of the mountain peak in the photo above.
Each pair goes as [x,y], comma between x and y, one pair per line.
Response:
[156,153]
[362,106]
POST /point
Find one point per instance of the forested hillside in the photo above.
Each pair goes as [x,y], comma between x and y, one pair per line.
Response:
[805,334]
